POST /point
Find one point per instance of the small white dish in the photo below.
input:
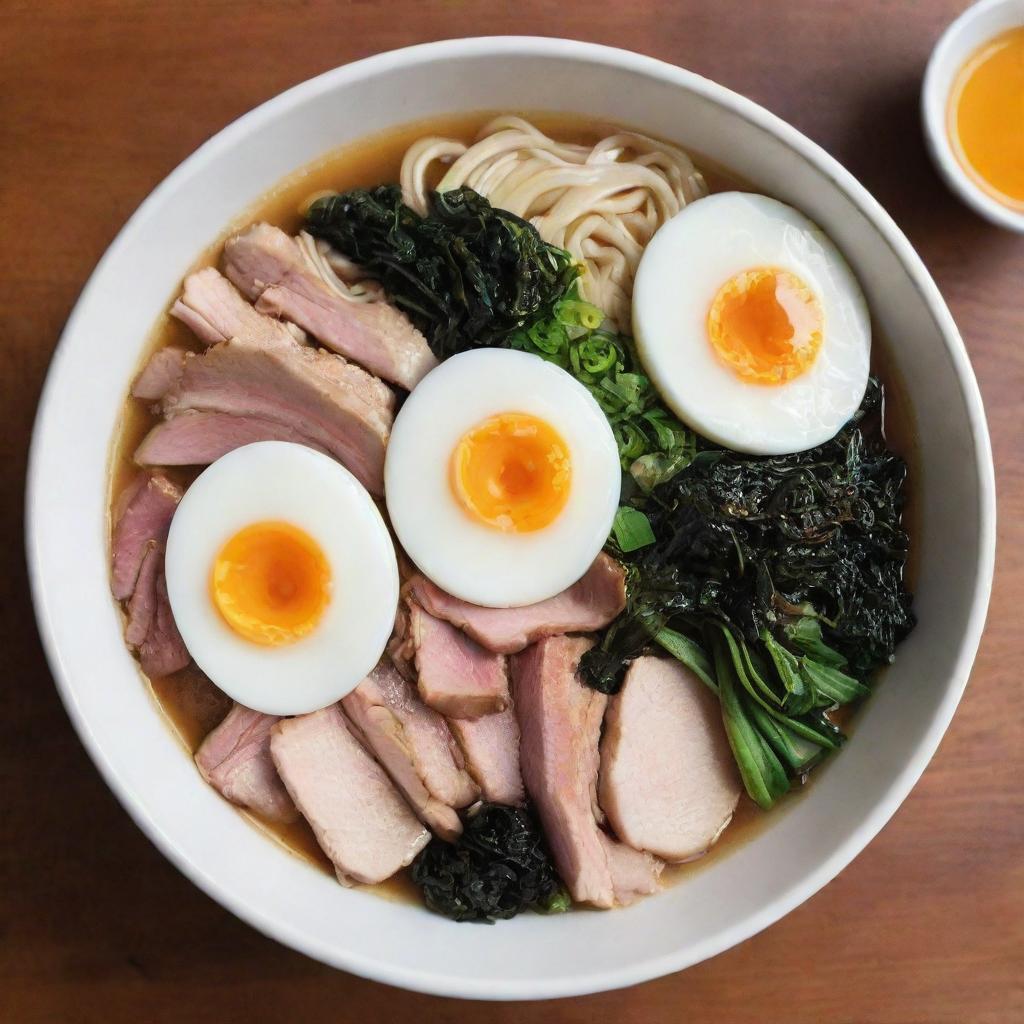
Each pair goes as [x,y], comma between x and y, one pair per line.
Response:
[975,27]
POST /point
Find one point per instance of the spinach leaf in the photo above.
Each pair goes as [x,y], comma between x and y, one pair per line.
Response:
[631,529]
[496,869]
[789,570]
[467,275]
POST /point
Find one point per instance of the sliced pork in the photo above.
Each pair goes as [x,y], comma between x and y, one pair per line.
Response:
[163,651]
[560,719]
[160,374]
[414,745]
[589,604]
[235,759]
[490,747]
[307,390]
[141,607]
[456,675]
[669,782]
[214,310]
[267,265]
[142,518]
[199,438]
[359,818]
[142,515]
[634,873]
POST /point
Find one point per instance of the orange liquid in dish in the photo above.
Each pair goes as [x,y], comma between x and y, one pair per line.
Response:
[986,117]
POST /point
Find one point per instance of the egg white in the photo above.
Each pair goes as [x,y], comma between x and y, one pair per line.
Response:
[680,273]
[469,559]
[275,480]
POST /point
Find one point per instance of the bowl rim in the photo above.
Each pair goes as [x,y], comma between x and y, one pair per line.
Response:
[582,982]
[934,100]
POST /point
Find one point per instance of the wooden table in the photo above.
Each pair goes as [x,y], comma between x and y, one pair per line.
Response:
[98,101]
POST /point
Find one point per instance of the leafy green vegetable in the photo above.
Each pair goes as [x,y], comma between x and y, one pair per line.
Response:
[470,275]
[496,869]
[631,529]
[467,275]
[763,775]
[789,570]
[690,653]
[653,445]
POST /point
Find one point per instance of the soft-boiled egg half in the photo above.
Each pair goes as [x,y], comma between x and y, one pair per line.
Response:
[752,325]
[502,477]
[282,577]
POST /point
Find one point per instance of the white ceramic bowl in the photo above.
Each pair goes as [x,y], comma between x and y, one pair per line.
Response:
[531,956]
[975,27]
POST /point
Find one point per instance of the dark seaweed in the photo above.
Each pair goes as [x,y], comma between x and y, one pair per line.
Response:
[467,274]
[758,543]
[496,869]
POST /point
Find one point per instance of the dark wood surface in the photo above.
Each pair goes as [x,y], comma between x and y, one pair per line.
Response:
[98,102]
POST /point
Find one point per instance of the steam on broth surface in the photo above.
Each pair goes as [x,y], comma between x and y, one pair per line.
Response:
[612,242]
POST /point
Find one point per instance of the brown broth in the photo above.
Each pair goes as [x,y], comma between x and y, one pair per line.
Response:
[189,702]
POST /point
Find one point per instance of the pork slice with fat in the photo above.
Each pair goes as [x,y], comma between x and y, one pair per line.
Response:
[669,782]
[216,311]
[235,759]
[589,604]
[560,720]
[305,389]
[415,746]
[267,265]
[358,817]
[456,676]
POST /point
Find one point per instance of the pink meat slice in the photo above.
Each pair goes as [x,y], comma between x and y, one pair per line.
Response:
[589,604]
[235,759]
[163,651]
[141,608]
[415,747]
[457,677]
[160,374]
[358,816]
[216,311]
[490,746]
[635,873]
[199,438]
[267,265]
[142,514]
[669,782]
[560,720]
[307,390]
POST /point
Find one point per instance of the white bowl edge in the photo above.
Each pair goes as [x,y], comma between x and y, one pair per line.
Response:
[582,981]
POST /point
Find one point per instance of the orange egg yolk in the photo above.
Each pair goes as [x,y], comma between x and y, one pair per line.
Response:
[986,117]
[512,472]
[271,583]
[765,324]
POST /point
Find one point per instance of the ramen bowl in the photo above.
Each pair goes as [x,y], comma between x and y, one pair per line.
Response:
[803,846]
